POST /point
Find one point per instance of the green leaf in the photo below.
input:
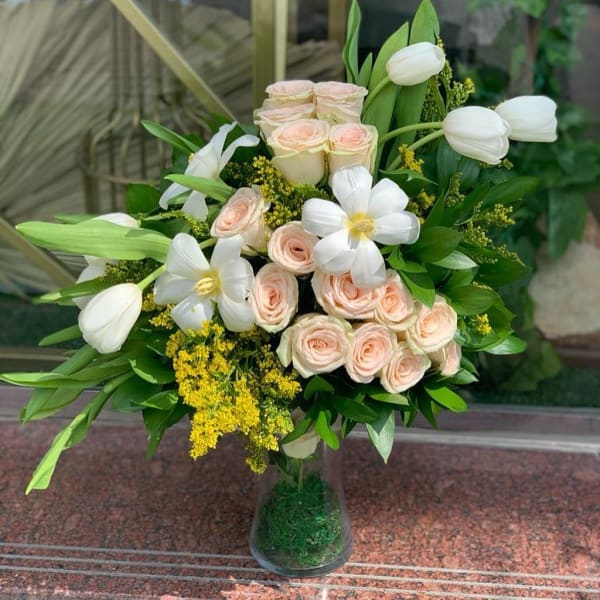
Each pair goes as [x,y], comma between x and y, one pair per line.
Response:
[172,138]
[501,271]
[323,428]
[426,408]
[352,409]
[73,433]
[152,370]
[158,421]
[388,398]
[381,432]
[395,42]
[510,345]
[470,300]
[435,243]
[566,219]
[131,393]
[300,429]
[98,238]
[365,71]
[510,191]
[52,402]
[447,163]
[162,400]
[213,188]
[463,377]
[456,261]
[464,209]
[420,286]
[350,50]
[85,288]
[447,398]
[43,396]
[141,198]
[63,335]
[315,385]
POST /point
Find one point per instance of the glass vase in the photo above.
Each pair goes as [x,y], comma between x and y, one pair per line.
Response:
[301,526]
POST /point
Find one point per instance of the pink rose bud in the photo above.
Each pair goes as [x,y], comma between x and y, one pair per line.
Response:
[274,297]
[371,350]
[396,308]
[291,247]
[316,344]
[404,370]
[339,102]
[447,359]
[269,119]
[289,93]
[299,149]
[340,297]
[352,144]
[435,327]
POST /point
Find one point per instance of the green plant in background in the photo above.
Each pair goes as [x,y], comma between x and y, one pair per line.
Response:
[555,213]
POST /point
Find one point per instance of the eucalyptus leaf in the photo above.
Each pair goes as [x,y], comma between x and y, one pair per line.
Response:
[381,432]
[447,398]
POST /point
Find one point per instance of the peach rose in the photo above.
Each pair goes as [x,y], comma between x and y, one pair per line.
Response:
[339,102]
[289,93]
[269,119]
[274,297]
[371,350]
[340,297]
[316,344]
[352,144]
[291,248]
[404,369]
[299,149]
[447,359]
[242,215]
[434,327]
[396,308]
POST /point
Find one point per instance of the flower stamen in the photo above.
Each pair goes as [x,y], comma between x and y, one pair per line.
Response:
[209,284]
[360,226]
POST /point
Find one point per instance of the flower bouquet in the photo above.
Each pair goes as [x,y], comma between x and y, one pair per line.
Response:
[335,264]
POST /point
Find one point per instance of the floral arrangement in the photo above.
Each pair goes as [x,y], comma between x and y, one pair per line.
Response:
[333,264]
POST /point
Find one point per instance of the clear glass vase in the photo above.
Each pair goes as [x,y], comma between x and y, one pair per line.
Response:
[301,526]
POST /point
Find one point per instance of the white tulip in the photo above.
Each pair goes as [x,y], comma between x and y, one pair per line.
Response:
[415,64]
[531,118]
[478,133]
[302,447]
[108,317]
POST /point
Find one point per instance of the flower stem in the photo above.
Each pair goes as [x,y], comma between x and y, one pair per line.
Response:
[375,91]
[424,140]
[407,128]
[208,243]
[148,280]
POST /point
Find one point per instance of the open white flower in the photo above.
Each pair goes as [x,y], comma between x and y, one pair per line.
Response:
[350,229]
[108,317]
[196,286]
[208,162]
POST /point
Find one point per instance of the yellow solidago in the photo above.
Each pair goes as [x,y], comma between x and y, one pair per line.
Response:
[235,383]
[162,319]
[148,304]
[408,159]
[481,324]
[499,215]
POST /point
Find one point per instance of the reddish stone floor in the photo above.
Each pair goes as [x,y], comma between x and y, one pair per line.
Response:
[438,521]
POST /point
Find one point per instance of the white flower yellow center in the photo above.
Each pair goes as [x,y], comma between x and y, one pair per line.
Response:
[209,284]
[360,226]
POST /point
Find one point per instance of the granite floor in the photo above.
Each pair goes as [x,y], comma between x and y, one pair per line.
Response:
[439,521]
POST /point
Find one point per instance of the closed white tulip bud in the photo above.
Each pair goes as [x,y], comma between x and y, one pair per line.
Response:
[415,64]
[302,447]
[107,319]
[531,118]
[478,133]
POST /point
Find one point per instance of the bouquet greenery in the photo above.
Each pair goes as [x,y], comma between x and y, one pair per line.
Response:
[332,264]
